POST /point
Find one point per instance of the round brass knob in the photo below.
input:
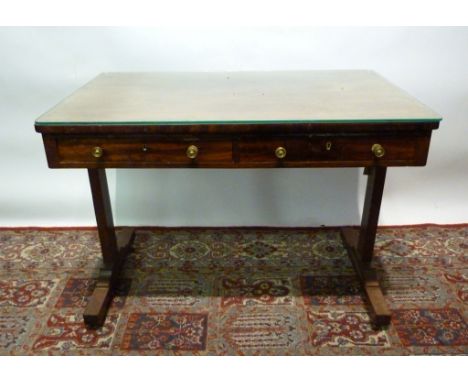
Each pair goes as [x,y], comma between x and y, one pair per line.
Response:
[192,151]
[280,152]
[97,152]
[378,150]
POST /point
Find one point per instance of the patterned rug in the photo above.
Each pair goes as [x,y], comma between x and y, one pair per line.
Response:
[234,292]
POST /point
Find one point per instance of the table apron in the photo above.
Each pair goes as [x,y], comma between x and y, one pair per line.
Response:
[237,151]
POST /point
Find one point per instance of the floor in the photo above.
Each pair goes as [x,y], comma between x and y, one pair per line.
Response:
[233,291]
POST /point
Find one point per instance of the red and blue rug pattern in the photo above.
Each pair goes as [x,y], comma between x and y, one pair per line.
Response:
[234,291]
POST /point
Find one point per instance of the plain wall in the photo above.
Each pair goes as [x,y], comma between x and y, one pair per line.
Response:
[40,66]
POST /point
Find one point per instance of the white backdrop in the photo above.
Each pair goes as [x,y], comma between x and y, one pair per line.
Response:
[39,66]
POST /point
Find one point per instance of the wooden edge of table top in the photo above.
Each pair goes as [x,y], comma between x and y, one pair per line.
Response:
[238,128]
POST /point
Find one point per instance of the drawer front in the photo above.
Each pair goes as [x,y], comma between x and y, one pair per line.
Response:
[90,152]
[237,152]
[377,149]
[278,151]
[352,151]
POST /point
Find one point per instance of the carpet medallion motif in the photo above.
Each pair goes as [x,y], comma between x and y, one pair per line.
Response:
[425,327]
[25,293]
[242,291]
[66,332]
[337,328]
[177,331]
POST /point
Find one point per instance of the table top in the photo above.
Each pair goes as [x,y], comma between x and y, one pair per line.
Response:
[237,97]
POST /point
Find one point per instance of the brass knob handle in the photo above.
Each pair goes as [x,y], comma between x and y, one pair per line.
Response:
[378,150]
[192,151]
[97,152]
[280,152]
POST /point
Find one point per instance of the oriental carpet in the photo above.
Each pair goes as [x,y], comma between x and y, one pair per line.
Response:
[234,291]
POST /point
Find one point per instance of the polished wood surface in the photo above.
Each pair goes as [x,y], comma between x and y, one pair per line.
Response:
[240,97]
[368,277]
[237,151]
[114,247]
[221,129]
[394,130]
[98,305]
[103,212]
[370,215]
[360,244]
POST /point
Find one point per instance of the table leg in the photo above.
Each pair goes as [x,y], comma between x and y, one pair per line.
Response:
[360,245]
[114,247]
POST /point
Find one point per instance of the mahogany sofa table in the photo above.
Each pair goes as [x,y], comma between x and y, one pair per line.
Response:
[237,120]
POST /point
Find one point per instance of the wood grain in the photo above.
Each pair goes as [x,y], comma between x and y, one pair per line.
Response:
[370,214]
[273,128]
[378,307]
[236,151]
